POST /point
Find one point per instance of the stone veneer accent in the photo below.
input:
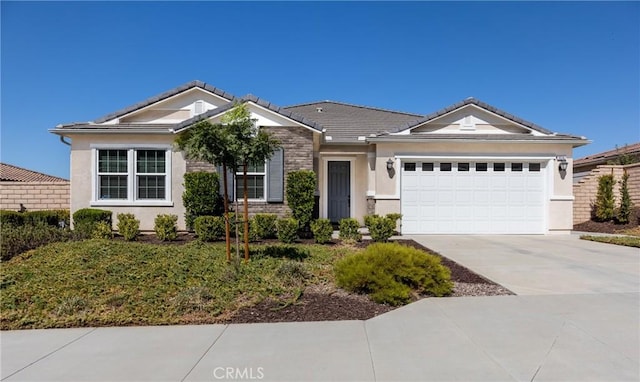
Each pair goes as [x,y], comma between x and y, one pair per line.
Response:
[35,196]
[586,189]
[297,143]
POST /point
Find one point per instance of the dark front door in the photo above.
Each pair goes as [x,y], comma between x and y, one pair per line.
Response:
[339,190]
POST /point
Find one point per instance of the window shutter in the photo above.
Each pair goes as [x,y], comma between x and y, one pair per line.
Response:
[275,186]
[230,185]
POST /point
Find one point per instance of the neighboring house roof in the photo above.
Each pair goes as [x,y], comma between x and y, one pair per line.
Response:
[11,173]
[346,122]
[472,101]
[258,101]
[167,94]
[607,156]
[475,137]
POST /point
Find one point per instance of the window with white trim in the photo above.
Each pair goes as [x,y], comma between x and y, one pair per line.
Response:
[256,176]
[132,175]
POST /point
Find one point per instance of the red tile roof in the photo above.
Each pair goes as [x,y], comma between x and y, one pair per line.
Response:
[11,173]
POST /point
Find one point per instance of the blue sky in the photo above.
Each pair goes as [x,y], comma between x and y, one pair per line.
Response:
[571,67]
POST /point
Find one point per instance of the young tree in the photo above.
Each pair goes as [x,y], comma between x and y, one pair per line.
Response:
[605,200]
[210,143]
[624,212]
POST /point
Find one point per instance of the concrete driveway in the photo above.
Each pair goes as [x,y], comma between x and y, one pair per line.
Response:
[542,265]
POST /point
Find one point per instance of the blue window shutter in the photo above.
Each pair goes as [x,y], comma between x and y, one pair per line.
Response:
[275,186]
[230,186]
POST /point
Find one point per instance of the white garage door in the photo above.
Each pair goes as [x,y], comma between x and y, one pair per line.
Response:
[455,197]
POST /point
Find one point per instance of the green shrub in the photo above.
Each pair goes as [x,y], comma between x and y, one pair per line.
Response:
[605,200]
[166,227]
[54,218]
[281,251]
[381,228]
[391,272]
[626,206]
[349,230]
[85,220]
[265,226]
[287,230]
[16,240]
[253,231]
[209,228]
[301,188]
[128,226]
[322,230]
[102,231]
[11,218]
[201,196]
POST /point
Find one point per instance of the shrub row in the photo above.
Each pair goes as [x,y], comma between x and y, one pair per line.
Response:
[19,239]
[54,218]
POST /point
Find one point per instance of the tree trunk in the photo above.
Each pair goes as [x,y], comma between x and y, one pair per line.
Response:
[227,228]
[246,212]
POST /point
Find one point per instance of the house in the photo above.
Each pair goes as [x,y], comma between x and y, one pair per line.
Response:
[468,168]
[22,189]
[618,156]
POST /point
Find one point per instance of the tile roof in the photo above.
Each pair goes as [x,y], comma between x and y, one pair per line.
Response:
[167,94]
[250,98]
[473,101]
[11,173]
[606,156]
[346,122]
[478,137]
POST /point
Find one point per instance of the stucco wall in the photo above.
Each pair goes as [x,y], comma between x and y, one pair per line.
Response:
[34,196]
[586,189]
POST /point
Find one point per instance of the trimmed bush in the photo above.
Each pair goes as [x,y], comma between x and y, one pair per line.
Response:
[11,218]
[287,230]
[102,231]
[209,228]
[605,200]
[381,228]
[128,226]
[390,273]
[626,206]
[54,218]
[301,188]
[16,240]
[166,227]
[265,226]
[349,230]
[86,219]
[322,230]
[201,196]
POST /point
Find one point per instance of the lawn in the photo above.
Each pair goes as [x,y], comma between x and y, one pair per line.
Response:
[100,283]
[629,241]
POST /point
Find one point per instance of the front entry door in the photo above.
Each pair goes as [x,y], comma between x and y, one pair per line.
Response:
[339,190]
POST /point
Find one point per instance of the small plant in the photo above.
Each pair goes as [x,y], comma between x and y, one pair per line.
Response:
[166,227]
[626,206]
[349,230]
[85,220]
[201,196]
[128,226]
[209,228]
[265,226]
[301,188]
[322,230]
[292,273]
[605,200]
[287,230]
[102,231]
[381,228]
[390,273]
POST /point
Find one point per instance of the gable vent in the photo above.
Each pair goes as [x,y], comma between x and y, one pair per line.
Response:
[199,108]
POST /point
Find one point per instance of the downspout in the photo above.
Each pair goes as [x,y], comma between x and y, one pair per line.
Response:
[63,141]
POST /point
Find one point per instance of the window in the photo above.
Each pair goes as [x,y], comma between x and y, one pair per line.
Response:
[112,174]
[481,167]
[130,176]
[255,182]
[445,166]
[463,166]
[498,167]
[516,167]
[427,167]
[409,167]
[534,167]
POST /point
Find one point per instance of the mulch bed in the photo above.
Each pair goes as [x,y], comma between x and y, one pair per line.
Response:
[604,227]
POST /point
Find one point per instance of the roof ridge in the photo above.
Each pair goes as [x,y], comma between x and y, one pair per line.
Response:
[2,164]
[355,105]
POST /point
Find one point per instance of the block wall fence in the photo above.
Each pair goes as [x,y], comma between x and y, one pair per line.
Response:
[34,196]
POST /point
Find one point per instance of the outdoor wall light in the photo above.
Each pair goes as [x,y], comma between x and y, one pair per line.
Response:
[390,164]
[562,163]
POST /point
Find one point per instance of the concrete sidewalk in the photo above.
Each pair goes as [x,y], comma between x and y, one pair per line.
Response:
[521,338]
